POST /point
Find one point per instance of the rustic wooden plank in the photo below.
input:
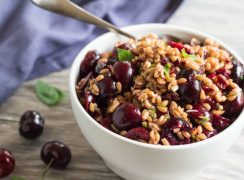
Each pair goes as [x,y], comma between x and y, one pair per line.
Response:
[59,125]
[220,18]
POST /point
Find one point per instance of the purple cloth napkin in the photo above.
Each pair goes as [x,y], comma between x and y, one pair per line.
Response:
[35,42]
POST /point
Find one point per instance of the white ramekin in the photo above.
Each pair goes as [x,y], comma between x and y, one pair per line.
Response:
[139,161]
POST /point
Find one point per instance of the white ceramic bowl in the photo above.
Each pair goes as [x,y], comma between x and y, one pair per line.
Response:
[138,161]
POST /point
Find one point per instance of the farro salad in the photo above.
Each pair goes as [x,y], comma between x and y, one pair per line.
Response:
[162,92]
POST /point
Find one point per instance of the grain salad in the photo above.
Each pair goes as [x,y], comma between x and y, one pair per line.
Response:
[162,92]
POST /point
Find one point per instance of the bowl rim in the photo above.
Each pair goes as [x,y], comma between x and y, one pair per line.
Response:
[73,96]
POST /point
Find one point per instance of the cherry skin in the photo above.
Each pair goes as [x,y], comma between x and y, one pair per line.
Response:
[189,74]
[107,86]
[138,133]
[167,130]
[179,46]
[220,123]
[237,72]
[190,91]
[7,163]
[86,99]
[57,152]
[124,73]
[234,108]
[126,116]
[89,62]
[99,67]
[31,124]
[198,112]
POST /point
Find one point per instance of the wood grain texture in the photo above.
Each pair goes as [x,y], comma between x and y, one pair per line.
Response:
[223,19]
[59,125]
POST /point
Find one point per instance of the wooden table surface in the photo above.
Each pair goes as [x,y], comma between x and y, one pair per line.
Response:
[222,18]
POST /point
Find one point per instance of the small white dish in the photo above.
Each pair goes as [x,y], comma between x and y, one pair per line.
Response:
[139,161]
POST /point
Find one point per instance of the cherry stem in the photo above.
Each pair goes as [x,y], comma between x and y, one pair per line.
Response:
[46,168]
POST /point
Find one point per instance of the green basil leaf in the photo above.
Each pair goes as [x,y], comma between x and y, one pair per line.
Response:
[193,57]
[204,119]
[167,69]
[186,55]
[18,178]
[48,94]
[144,124]
[124,55]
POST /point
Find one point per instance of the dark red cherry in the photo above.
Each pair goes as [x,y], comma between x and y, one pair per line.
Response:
[234,108]
[207,89]
[171,96]
[167,130]
[164,60]
[106,122]
[190,91]
[107,86]
[124,73]
[99,67]
[125,46]
[57,152]
[212,75]
[211,102]
[221,81]
[224,72]
[170,136]
[179,46]
[138,133]
[112,60]
[199,113]
[89,62]
[237,73]
[86,99]
[7,163]
[126,116]
[176,123]
[31,124]
[220,123]
[189,74]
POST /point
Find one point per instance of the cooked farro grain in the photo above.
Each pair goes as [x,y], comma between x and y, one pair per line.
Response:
[95,89]
[167,93]
[99,77]
[208,126]
[189,106]
[119,87]
[115,103]
[104,71]
[154,127]
[123,133]
[165,142]
[201,136]
[207,106]
[186,134]
[180,135]
[154,137]
[181,81]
